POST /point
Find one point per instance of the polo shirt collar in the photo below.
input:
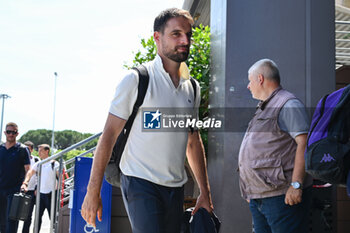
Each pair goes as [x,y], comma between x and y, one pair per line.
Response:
[184,71]
[15,146]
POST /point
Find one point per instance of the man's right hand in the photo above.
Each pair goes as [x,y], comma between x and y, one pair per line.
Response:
[24,187]
[91,207]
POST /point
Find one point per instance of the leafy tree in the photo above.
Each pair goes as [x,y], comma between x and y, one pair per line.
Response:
[90,144]
[39,136]
[73,153]
[63,139]
[147,53]
[66,138]
[198,62]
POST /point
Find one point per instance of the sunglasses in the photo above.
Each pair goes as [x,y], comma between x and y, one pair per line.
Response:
[11,132]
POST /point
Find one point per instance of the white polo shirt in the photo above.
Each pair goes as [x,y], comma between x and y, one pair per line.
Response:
[48,176]
[155,156]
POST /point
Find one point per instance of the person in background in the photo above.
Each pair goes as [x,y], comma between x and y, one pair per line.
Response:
[31,187]
[48,178]
[14,163]
[271,158]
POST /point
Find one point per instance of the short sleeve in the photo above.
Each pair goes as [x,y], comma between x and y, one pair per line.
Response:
[57,165]
[293,118]
[26,155]
[125,96]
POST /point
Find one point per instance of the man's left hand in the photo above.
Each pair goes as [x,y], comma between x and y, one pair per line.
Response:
[293,196]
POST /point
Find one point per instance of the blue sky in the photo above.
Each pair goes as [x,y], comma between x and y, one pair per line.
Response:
[85,42]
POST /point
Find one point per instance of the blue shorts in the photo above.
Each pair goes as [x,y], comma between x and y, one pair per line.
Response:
[151,207]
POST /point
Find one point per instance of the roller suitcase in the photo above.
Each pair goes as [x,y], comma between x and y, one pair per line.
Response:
[20,205]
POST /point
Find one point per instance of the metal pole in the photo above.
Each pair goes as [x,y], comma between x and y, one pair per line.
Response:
[54,111]
[53,200]
[58,196]
[3,96]
[37,203]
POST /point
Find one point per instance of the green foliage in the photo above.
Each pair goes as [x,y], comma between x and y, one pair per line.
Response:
[147,53]
[198,62]
[63,139]
[73,153]
[66,138]
[35,153]
[39,136]
[90,144]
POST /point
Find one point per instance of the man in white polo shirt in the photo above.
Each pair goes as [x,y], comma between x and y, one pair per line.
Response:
[48,178]
[152,163]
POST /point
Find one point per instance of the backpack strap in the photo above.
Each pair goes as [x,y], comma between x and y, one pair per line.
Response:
[322,107]
[52,167]
[194,85]
[141,92]
[124,134]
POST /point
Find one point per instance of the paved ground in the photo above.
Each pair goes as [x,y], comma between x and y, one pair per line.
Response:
[45,226]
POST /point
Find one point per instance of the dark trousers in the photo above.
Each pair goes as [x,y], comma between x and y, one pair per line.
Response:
[45,203]
[26,224]
[6,225]
[151,207]
[272,215]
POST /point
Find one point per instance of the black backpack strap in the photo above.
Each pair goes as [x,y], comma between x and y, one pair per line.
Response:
[142,87]
[123,136]
[141,92]
[194,85]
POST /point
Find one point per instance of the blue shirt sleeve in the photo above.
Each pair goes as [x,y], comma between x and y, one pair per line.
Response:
[26,157]
[293,118]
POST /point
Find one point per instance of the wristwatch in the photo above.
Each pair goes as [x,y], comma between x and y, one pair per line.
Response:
[296,185]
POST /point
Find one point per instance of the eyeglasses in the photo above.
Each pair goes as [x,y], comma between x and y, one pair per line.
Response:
[11,132]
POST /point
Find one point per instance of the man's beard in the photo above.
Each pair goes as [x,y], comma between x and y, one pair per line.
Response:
[177,56]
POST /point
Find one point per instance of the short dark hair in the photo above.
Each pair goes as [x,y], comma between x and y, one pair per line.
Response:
[29,144]
[161,20]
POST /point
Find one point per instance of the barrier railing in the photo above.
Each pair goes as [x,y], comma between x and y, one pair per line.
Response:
[57,188]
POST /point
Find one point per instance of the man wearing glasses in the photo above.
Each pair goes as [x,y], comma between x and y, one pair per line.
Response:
[14,163]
